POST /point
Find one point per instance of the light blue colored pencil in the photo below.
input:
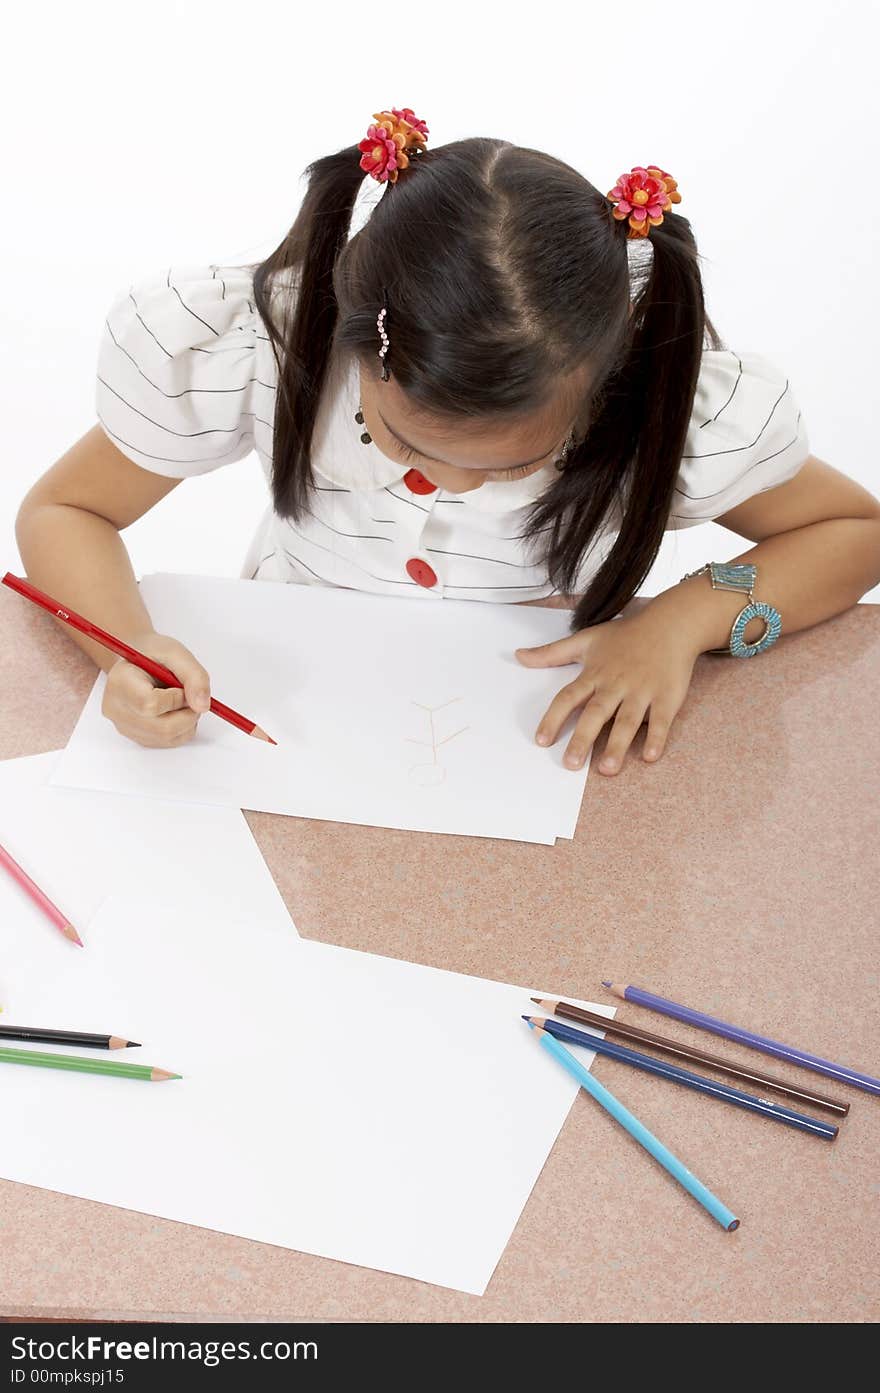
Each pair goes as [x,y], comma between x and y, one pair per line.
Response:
[726,1218]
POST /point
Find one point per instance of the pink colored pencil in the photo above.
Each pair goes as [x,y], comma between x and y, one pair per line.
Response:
[51,911]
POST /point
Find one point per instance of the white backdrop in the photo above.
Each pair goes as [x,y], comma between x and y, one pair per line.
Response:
[137,136]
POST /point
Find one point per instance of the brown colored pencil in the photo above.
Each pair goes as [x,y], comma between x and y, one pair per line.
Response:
[664,1045]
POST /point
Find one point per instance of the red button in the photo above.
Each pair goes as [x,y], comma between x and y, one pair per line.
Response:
[421,573]
[417,483]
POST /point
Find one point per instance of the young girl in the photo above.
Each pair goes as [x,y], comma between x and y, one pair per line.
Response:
[504,387]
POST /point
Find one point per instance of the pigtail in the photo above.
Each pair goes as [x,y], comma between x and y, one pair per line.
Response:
[303,304]
[641,416]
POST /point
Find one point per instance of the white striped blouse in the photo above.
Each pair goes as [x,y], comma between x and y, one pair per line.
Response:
[186,383]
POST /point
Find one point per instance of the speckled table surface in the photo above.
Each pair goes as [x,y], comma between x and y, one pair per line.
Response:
[740,874]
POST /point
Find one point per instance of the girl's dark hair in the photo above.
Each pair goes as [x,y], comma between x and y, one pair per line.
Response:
[505,272]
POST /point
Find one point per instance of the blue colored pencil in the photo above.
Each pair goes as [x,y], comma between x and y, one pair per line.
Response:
[726,1218]
[664,1070]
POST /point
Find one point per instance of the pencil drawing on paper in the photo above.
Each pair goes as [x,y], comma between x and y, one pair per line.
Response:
[429,773]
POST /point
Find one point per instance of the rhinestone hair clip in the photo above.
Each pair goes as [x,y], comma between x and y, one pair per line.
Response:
[380,325]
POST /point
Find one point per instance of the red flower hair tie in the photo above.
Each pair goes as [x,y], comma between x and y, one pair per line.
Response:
[386,148]
[642,197]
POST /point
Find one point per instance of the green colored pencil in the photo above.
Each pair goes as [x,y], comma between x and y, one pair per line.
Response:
[81,1065]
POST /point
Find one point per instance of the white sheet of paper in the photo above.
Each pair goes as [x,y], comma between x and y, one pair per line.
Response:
[81,846]
[355,1107]
[390,712]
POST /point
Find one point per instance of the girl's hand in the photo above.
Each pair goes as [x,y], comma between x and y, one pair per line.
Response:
[634,669]
[151,715]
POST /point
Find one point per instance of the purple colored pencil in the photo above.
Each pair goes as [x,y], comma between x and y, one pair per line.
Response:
[745,1037]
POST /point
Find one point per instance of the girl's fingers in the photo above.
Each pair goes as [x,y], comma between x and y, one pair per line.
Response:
[561,651]
[659,723]
[175,728]
[158,701]
[629,717]
[178,724]
[196,683]
[568,699]
[189,672]
[139,693]
[595,714]
[129,683]
[154,736]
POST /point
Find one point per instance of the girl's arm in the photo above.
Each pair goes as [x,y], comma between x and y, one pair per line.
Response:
[68,534]
[818,553]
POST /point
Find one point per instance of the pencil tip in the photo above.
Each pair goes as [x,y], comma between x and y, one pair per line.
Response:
[259,734]
[133,1044]
[70,932]
[606,984]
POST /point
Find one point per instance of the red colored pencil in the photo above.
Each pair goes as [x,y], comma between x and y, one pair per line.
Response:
[157,671]
[51,910]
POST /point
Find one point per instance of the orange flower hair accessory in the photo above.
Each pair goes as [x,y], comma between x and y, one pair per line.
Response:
[642,197]
[388,143]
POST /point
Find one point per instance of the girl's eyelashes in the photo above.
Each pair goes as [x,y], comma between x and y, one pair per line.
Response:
[407,453]
[515,473]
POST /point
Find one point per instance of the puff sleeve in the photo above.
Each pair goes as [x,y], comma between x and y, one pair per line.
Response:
[176,368]
[746,435]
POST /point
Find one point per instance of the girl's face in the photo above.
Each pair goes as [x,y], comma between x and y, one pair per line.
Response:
[462,462]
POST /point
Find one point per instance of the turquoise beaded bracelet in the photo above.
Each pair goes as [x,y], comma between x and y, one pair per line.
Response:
[742,577]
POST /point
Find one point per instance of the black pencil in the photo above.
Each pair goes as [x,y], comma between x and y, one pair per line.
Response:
[81,1038]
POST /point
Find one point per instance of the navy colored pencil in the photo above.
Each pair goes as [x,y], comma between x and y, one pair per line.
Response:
[664,1070]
